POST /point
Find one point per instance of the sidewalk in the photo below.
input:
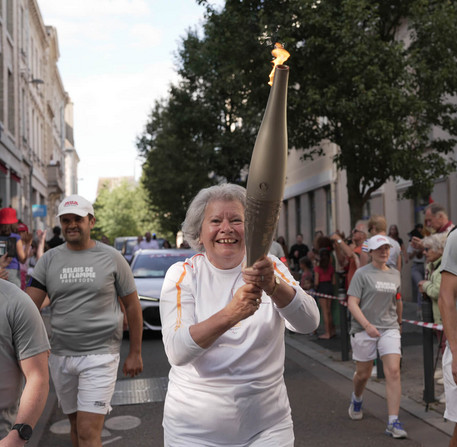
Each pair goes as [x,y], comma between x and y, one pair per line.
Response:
[328,353]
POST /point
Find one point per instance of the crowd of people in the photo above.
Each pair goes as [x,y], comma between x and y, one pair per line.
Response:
[209,304]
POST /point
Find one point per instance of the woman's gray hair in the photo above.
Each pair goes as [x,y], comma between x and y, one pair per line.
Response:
[192,224]
[436,242]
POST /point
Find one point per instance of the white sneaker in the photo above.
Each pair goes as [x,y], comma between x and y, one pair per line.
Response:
[374,371]
[396,430]
[355,410]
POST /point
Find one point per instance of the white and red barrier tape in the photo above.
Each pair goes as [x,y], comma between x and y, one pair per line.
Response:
[438,327]
[342,301]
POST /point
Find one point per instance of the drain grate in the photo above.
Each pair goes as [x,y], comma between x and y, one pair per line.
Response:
[139,391]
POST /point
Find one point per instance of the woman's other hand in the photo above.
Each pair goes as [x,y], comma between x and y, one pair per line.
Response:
[261,274]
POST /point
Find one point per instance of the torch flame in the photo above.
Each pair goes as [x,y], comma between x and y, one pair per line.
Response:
[281,55]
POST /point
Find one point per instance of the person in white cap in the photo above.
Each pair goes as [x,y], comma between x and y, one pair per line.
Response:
[84,279]
[376,308]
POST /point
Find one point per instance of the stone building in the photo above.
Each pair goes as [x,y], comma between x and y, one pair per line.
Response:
[38,162]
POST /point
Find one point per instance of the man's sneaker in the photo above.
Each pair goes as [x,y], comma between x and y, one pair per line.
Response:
[355,410]
[396,430]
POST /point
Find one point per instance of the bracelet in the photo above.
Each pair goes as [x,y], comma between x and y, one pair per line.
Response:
[277,282]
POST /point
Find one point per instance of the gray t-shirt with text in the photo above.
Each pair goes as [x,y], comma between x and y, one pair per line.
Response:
[377,290]
[83,287]
[22,335]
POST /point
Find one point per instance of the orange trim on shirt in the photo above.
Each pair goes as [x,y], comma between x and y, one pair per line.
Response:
[283,277]
[178,293]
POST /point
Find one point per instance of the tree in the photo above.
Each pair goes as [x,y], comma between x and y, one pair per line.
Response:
[379,93]
[374,77]
[204,132]
[122,211]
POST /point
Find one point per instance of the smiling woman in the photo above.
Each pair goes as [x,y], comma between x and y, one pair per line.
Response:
[223,329]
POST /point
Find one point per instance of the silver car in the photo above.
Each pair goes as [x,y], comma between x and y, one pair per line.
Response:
[149,268]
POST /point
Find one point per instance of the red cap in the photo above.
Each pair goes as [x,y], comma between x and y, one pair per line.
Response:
[8,216]
[22,227]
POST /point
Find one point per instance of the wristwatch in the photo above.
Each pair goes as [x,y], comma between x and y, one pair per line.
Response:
[277,282]
[24,430]
[339,241]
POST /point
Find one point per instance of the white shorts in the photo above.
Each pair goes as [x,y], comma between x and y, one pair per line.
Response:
[84,383]
[364,347]
[450,388]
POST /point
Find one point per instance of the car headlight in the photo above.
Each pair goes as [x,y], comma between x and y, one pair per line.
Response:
[148,298]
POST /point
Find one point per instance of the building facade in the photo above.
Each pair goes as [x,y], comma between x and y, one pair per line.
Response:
[35,142]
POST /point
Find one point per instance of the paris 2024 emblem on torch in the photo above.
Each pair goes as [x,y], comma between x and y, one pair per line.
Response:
[267,171]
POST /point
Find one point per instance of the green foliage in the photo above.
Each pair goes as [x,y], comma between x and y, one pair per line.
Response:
[374,77]
[122,211]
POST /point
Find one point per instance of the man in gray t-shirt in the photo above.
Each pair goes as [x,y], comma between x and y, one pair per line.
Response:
[24,350]
[447,303]
[84,279]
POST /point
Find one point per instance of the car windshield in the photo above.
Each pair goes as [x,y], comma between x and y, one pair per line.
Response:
[129,246]
[154,265]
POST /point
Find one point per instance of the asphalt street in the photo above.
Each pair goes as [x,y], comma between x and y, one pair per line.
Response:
[319,387]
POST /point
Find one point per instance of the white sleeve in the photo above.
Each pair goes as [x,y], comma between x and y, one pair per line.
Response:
[301,314]
[177,311]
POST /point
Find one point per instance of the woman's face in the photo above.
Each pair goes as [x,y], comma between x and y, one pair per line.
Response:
[432,255]
[222,233]
[381,254]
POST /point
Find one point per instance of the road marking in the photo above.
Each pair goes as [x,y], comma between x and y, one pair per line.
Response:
[126,422]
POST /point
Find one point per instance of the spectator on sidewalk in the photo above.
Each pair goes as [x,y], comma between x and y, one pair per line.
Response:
[297,251]
[353,250]
[324,283]
[433,250]
[24,350]
[376,310]
[56,240]
[416,256]
[447,304]
[84,279]
[395,235]
[9,229]
[377,225]
[435,218]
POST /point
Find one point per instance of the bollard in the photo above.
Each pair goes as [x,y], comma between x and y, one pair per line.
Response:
[427,337]
[344,327]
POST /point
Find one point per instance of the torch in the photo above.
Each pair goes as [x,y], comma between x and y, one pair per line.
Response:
[267,171]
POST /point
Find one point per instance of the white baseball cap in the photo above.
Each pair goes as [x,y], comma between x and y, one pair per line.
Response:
[378,241]
[75,205]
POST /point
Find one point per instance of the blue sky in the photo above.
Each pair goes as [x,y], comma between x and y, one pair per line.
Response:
[116,59]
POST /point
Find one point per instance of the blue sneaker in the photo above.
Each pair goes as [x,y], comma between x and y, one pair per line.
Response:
[396,430]
[355,410]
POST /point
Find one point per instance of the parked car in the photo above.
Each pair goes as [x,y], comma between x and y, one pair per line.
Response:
[129,245]
[149,268]
[119,242]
